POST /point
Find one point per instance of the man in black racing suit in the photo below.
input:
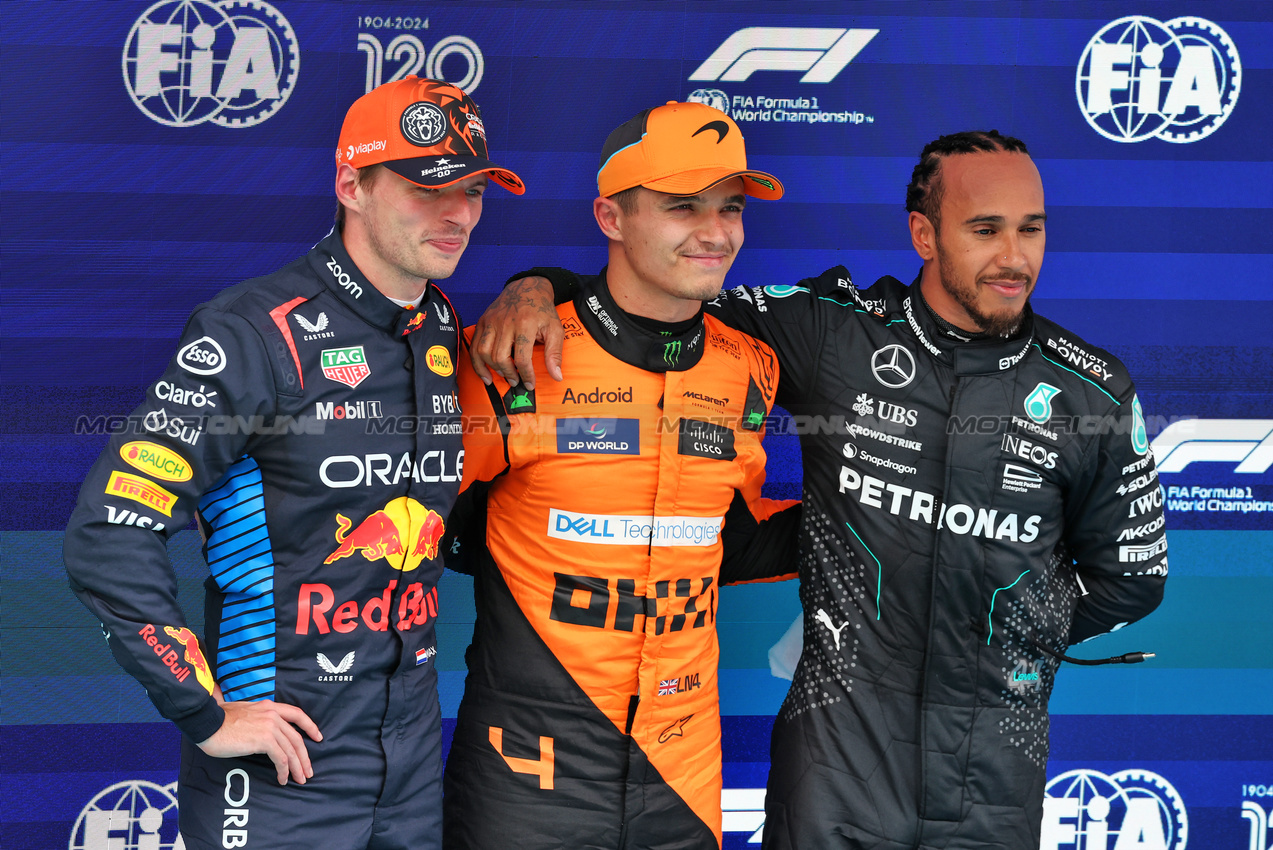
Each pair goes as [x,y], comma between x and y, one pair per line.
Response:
[979,495]
[279,425]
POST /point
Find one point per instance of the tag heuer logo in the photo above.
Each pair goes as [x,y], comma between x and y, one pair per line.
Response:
[345,365]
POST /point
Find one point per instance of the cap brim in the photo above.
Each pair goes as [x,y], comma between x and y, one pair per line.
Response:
[426,171]
[757,184]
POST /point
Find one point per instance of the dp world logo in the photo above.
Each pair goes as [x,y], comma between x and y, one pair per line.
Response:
[1175,80]
[233,63]
[1089,810]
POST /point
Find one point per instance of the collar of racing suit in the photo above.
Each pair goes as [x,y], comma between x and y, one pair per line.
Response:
[331,262]
[675,348]
[978,356]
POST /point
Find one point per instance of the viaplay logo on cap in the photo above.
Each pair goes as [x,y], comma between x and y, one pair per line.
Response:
[234,63]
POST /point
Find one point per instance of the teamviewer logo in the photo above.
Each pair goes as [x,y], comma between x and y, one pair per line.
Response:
[822,52]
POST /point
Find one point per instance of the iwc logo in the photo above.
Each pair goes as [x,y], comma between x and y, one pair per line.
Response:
[423,124]
[233,63]
[1089,810]
[1140,78]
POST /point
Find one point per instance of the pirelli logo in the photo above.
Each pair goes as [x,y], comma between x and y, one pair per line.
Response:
[138,489]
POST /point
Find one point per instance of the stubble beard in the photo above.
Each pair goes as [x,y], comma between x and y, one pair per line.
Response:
[1004,323]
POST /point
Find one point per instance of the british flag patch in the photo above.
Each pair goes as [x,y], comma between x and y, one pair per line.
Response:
[667,687]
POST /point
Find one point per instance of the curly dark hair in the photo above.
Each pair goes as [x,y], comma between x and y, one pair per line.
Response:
[924,193]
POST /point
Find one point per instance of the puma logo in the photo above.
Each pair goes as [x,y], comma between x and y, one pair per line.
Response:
[825,619]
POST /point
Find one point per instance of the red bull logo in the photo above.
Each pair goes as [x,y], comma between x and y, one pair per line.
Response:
[316,603]
[172,660]
[403,532]
[193,655]
[416,321]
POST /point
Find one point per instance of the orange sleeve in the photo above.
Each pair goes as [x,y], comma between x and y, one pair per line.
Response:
[485,422]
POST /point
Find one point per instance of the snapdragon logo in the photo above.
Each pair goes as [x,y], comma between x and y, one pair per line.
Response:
[234,63]
[1140,78]
[1089,810]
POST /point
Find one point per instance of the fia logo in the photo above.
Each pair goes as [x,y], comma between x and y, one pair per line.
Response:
[822,52]
[1140,78]
[232,63]
[135,814]
[1089,810]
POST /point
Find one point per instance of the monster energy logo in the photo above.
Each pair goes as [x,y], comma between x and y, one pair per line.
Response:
[672,352]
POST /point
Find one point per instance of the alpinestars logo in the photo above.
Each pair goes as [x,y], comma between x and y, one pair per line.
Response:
[821,52]
[233,63]
[1140,78]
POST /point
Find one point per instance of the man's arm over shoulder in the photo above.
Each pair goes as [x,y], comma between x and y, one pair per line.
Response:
[1115,527]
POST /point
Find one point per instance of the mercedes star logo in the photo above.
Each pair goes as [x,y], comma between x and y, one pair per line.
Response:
[893,366]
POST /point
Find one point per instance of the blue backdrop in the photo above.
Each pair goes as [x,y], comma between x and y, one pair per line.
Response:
[154,154]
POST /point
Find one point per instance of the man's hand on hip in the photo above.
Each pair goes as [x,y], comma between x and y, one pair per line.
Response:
[268,727]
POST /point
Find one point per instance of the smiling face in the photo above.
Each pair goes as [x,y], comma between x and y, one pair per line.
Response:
[403,235]
[981,267]
[671,252]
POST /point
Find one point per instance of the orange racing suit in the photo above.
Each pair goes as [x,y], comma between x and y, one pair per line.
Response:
[590,716]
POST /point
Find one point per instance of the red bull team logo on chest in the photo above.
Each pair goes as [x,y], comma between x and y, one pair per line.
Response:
[403,532]
[345,365]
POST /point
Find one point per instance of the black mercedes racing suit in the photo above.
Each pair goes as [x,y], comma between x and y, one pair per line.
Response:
[288,425]
[966,503]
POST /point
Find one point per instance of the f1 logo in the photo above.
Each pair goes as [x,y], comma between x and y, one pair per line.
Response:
[821,51]
[1248,442]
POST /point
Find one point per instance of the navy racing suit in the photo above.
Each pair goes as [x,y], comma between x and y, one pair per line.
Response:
[288,424]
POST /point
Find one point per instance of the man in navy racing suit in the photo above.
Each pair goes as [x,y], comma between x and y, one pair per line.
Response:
[979,494]
[276,427]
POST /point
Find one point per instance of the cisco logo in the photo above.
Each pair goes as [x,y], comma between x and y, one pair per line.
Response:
[233,63]
[1089,810]
[1140,78]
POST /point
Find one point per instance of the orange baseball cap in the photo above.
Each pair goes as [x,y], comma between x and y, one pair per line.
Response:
[680,149]
[426,131]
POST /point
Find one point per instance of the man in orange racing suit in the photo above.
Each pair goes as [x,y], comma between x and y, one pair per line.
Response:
[590,715]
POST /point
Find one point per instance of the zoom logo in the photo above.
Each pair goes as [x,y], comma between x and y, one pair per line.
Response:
[1089,810]
[821,52]
[1140,78]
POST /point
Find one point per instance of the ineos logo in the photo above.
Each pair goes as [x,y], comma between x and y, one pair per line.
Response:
[893,366]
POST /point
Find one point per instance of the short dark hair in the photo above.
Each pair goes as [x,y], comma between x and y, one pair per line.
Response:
[924,193]
[627,200]
[366,175]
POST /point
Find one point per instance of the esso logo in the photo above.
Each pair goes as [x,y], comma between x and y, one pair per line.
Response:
[1140,78]
[1090,810]
[204,356]
[233,63]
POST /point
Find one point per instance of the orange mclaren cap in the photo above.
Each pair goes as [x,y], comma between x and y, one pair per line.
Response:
[680,149]
[426,131]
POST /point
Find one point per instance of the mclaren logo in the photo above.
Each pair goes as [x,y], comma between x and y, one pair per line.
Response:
[721,128]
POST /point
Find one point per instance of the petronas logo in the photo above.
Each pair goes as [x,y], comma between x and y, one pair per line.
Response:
[1038,404]
[672,352]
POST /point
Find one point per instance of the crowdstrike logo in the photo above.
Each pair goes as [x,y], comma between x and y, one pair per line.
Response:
[1140,78]
[233,63]
[1089,810]
[821,52]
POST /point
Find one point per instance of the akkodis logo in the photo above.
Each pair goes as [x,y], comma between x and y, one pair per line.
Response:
[1140,78]
[233,63]
[132,814]
[1089,810]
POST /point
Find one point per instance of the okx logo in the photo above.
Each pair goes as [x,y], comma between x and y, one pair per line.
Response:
[233,63]
[1089,810]
[821,52]
[1140,78]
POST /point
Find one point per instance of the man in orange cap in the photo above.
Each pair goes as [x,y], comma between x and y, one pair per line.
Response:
[321,533]
[590,715]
